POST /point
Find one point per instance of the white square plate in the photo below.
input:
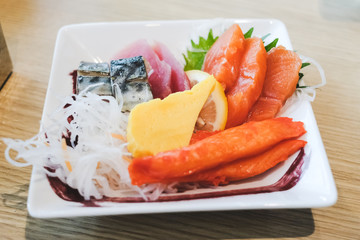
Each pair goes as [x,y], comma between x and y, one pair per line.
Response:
[100,42]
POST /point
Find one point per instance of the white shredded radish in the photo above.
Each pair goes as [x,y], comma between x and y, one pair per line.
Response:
[96,157]
[307,93]
[319,68]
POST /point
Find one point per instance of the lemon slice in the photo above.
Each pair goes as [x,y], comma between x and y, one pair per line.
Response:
[214,113]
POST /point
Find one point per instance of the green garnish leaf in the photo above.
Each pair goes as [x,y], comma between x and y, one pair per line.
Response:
[301,75]
[305,64]
[193,60]
[195,57]
[271,45]
[249,33]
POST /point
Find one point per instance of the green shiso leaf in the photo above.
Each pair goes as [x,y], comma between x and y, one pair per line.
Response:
[301,75]
[271,45]
[194,58]
[249,33]
[305,64]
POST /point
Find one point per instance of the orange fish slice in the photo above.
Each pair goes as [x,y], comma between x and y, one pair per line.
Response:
[247,89]
[223,58]
[282,75]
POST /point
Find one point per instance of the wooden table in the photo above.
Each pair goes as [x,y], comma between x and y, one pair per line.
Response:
[328,31]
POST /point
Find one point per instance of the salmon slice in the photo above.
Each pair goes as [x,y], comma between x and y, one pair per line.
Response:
[264,108]
[247,89]
[223,58]
[246,140]
[282,75]
[247,167]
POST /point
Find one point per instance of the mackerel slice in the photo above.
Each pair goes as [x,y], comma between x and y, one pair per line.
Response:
[93,69]
[98,85]
[133,93]
[160,74]
[128,69]
[130,80]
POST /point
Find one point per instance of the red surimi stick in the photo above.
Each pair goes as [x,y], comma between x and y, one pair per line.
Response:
[231,144]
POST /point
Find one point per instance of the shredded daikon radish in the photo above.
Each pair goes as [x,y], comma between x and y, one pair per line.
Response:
[308,93]
[96,164]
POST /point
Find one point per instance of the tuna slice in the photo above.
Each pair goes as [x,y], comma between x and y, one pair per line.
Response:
[179,80]
[160,75]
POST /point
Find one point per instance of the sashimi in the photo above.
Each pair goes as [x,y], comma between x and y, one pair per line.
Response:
[264,108]
[247,167]
[160,74]
[247,89]
[282,75]
[179,80]
[223,58]
[226,146]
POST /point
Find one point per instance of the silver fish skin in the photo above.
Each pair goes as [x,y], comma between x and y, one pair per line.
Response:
[133,93]
[93,69]
[128,69]
[105,89]
[130,75]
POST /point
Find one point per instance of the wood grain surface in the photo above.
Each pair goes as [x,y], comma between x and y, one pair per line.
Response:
[326,30]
